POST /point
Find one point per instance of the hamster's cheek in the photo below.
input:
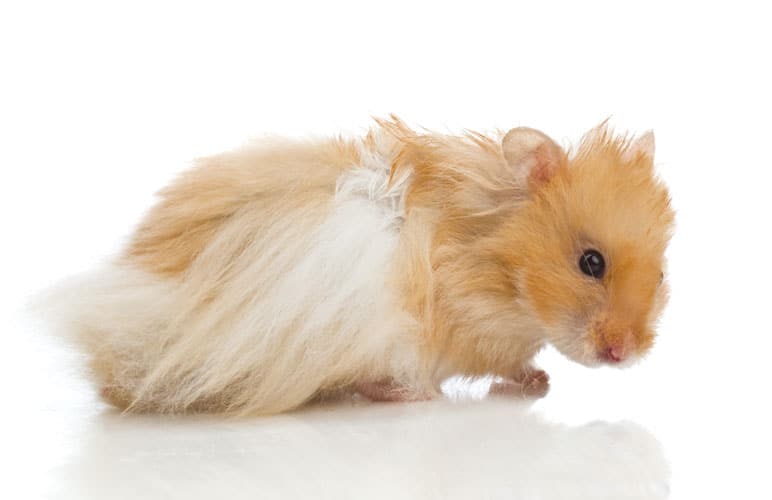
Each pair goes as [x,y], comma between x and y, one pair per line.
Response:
[560,299]
[574,342]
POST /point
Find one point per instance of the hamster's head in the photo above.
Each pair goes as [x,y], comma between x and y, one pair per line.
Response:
[591,242]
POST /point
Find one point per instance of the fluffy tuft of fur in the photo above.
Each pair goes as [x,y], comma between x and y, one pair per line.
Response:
[277,273]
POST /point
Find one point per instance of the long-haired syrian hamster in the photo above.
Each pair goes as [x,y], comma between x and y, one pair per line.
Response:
[288,270]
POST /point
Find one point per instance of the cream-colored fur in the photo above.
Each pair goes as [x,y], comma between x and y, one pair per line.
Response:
[284,302]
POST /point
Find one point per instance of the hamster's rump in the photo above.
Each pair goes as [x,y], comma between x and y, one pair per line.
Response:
[262,277]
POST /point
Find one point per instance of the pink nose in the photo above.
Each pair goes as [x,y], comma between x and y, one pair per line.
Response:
[614,354]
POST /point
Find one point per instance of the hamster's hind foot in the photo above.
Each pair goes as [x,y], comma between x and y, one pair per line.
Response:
[531,383]
[390,390]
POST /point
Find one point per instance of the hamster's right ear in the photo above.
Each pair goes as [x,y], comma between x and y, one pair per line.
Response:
[533,154]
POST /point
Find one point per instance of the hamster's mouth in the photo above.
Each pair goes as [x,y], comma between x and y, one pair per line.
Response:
[611,355]
[615,359]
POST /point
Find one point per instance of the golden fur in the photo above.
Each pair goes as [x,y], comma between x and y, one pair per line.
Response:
[278,273]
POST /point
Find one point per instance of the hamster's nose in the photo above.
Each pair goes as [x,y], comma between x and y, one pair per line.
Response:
[614,354]
[617,348]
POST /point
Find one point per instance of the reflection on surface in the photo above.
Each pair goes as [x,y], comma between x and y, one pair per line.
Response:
[440,449]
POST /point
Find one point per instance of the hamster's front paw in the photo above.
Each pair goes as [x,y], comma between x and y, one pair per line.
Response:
[389,390]
[536,383]
[531,383]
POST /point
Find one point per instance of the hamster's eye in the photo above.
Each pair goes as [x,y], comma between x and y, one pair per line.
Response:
[592,264]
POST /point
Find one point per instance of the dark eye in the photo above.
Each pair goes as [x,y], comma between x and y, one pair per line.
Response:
[592,264]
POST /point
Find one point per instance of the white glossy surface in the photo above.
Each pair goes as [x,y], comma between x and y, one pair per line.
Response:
[432,450]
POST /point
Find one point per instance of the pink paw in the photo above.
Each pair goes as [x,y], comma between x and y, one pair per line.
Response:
[532,383]
[389,390]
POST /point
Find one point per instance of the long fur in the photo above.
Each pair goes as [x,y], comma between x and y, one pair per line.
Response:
[271,275]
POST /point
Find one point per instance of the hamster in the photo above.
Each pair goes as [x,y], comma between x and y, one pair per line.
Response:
[287,270]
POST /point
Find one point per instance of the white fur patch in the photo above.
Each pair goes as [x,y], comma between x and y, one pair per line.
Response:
[370,181]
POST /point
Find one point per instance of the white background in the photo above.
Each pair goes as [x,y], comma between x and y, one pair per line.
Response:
[101,104]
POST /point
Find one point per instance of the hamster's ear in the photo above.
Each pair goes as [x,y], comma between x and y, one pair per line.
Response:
[533,154]
[642,146]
